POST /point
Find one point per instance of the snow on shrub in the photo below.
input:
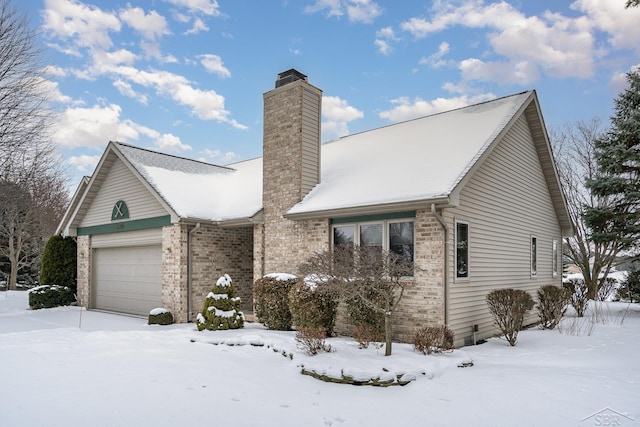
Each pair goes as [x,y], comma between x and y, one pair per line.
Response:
[508,308]
[47,296]
[271,300]
[160,316]
[221,307]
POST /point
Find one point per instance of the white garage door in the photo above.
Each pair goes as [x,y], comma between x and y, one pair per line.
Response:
[127,279]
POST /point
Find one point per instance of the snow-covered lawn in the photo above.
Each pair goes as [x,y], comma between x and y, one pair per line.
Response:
[118,371]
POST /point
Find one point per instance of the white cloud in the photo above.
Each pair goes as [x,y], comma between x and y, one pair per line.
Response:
[197,27]
[94,127]
[612,18]
[213,64]
[619,81]
[407,109]
[520,72]
[383,38]
[365,11]
[151,26]
[337,114]
[84,164]
[125,89]
[559,46]
[435,60]
[87,26]
[207,7]
[218,157]
[53,93]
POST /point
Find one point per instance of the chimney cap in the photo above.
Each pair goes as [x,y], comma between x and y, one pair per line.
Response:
[289,76]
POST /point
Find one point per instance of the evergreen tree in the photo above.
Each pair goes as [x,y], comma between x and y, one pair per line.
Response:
[618,158]
[221,308]
[59,262]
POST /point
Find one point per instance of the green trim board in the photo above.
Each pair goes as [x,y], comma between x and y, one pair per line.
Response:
[119,227]
[376,217]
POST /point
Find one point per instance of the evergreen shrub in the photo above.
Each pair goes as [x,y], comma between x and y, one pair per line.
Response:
[271,301]
[313,305]
[47,296]
[59,262]
[508,308]
[552,302]
[160,316]
[221,308]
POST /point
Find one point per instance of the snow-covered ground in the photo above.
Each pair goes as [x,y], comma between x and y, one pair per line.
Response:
[118,371]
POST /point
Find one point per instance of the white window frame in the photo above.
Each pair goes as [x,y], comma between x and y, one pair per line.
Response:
[554,260]
[533,255]
[455,251]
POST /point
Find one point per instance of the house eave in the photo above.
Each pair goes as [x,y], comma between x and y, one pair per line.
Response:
[370,209]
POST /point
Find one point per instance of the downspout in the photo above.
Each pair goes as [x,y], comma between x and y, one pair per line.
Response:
[446,256]
[189,270]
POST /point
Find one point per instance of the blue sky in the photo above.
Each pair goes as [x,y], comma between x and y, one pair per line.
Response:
[186,77]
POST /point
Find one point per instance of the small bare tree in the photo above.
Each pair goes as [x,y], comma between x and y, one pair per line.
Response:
[574,147]
[370,274]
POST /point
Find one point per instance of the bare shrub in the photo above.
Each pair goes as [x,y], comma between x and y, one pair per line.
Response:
[578,295]
[607,289]
[576,326]
[312,340]
[552,301]
[366,334]
[433,339]
[508,308]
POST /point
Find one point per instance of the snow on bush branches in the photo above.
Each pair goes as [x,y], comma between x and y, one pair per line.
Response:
[221,308]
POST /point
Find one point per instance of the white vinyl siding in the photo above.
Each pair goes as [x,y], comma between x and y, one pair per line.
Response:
[507,201]
[121,184]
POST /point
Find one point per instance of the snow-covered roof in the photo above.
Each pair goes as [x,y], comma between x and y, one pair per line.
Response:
[200,190]
[421,159]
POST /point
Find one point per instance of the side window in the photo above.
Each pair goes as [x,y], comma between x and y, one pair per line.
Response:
[371,237]
[534,256]
[343,235]
[462,250]
[554,260]
[401,239]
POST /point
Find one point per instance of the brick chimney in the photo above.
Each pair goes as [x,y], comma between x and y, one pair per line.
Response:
[291,162]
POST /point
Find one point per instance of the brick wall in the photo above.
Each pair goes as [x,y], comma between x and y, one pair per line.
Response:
[216,251]
[84,269]
[284,123]
[174,270]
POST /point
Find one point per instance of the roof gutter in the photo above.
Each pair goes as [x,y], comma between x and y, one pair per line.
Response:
[368,209]
[446,270]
